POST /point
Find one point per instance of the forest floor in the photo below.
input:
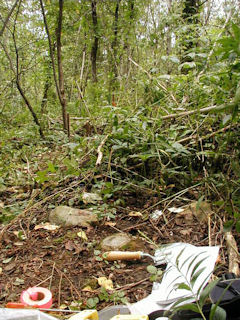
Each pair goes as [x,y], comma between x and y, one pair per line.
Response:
[69,266]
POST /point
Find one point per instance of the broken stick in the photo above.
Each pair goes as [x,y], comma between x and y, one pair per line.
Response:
[233,254]
[99,151]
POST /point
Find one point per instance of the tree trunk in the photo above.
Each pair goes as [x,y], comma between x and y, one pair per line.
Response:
[190,15]
[95,41]
[60,82]
[115,39]
[169,32]
[60,68]
[35,118]
[114,54]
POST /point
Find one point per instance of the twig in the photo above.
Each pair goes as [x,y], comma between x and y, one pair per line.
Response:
[233,254]
[59,290]
[131,285]
[39,283]
[209,231]
[210,135]
[135,226]
[72,286]
[50,284]
[174,196]
[156,228]
[99,151]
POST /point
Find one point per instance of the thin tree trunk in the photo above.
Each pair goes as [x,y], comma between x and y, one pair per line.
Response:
[114,55]
[190,15]
[58,83]
[95,41]
[115,39]
[35,118]
[17,77]
[60,68]
[169,33]
[45,94]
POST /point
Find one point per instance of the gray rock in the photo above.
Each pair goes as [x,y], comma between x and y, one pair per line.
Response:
[67,216]
[116,241]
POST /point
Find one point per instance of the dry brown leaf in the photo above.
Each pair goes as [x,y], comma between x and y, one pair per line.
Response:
[135,214]
[18,243]
[69,245]
[110,224]
[105,283]
[186,232]
[87,288]
[47,226]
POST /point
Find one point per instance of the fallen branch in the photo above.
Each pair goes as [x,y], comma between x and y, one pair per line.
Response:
[210,135]
[187,113]
[233,254]
[99,151]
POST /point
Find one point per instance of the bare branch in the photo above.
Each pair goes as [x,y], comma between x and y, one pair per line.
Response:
[8,18]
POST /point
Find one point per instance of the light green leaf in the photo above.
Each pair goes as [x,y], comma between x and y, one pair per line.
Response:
[217,313]
[152,269]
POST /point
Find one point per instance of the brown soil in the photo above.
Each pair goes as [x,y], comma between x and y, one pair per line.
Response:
[64,263]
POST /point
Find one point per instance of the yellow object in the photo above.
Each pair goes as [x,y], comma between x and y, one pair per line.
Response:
[130,317]
[85,315]
[105,283]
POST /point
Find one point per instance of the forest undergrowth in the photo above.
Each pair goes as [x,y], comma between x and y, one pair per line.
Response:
[148,120]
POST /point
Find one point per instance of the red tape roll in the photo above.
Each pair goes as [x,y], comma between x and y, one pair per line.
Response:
[37,297]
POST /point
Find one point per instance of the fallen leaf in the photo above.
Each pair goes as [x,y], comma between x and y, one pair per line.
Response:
[87,288]
[135,214]
[20,235]
[156,214]
[1,270]
[185,217]
[7,260]
[18,282]
[186,232]
[69,245]
[47,226]
[105,283]
[110,224]
[1,204]
[201,210]
[18,243]
[175,210]
[10,266]
[82,235]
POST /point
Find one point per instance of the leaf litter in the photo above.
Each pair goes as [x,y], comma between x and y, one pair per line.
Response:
[68,260]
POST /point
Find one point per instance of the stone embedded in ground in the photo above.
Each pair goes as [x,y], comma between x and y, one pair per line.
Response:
[67,216]
[116,241]
[91,197]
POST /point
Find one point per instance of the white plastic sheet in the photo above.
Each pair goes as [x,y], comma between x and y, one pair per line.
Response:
[23,314]
[182,259]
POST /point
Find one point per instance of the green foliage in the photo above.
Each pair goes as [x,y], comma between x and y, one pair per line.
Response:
[156,273]
[153,62]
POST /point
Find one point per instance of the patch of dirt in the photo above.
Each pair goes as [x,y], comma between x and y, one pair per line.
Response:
[66,264]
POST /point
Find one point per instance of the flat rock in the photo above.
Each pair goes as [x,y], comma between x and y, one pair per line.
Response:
[67,216]
[116,241]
